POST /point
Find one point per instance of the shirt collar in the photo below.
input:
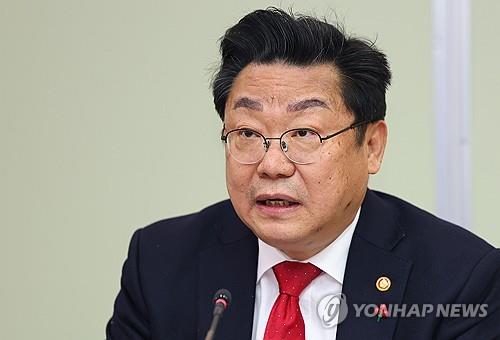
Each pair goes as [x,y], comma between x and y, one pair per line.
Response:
[331,260]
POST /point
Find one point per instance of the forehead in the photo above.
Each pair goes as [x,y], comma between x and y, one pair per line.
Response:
[262,87]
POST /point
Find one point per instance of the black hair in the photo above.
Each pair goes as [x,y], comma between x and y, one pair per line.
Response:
[273,35]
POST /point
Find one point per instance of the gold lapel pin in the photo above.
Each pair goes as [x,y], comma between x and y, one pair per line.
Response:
[383,283]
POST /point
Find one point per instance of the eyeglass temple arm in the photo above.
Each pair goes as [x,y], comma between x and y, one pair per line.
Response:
[223,137]
[352,126]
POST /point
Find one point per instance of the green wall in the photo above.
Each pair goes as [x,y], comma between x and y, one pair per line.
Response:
[485,118]
[107,124]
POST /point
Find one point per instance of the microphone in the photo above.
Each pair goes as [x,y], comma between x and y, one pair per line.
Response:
[222,299]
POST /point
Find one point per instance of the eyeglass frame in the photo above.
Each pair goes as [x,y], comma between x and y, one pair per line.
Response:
[267,144]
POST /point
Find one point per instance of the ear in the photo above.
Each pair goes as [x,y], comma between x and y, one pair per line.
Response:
[375,141]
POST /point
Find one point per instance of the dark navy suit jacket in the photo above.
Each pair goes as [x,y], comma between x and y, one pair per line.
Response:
[175,266]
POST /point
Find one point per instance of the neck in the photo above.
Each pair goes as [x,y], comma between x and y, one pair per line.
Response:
[302,252]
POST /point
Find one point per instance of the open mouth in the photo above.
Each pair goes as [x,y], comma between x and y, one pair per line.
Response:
[281,203]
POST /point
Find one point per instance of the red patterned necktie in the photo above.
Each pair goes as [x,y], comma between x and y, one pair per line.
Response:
[285,321]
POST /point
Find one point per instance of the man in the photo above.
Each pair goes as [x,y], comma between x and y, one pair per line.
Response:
[307,251]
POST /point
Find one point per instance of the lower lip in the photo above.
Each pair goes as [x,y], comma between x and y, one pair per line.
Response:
[277,210]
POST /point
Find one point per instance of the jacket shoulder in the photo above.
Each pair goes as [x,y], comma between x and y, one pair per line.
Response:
[443,255]
[426,230]
[189,223]
[182,235]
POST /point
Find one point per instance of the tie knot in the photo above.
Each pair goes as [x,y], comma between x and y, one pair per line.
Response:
[293,277]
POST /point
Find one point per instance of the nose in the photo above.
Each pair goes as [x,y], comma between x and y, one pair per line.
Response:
[275,164]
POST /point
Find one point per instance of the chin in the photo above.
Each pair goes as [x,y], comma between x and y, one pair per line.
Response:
[279,235]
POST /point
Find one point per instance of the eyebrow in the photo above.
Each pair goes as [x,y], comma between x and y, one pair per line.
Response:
[248,103]
[305,104]
[293,107]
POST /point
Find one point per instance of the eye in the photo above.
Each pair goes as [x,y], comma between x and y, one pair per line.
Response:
[303,133]
[247,133]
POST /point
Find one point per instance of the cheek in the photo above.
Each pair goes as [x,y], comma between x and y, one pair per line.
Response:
[238,179]
[330,184]
[333,176]
[332,169]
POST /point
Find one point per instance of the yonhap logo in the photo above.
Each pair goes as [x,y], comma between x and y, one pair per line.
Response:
[332,309]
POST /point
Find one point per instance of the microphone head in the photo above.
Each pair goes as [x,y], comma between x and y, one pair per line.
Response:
[223,296]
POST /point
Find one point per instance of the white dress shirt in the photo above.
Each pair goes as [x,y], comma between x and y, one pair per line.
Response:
[331,260]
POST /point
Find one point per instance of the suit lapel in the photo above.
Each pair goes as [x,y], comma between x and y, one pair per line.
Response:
[370,258]
[231,263]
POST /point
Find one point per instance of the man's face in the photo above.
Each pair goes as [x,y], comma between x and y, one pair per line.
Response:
[326,194]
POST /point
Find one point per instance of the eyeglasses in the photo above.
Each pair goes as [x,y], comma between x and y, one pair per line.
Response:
[300,146]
